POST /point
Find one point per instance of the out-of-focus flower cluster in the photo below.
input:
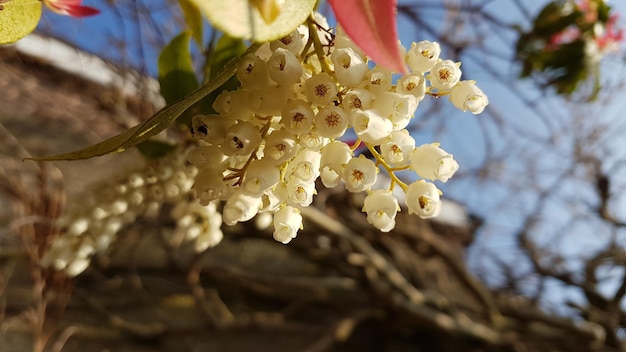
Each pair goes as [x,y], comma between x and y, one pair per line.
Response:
[567,42]
[93,225]
[272,138]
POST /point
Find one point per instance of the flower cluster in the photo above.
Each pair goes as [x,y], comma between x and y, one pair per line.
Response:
[93,225]
[280,131]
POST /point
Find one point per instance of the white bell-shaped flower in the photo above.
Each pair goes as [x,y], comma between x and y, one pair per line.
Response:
[305,165]
[252,72]
[399,108]
[241,139]
[210,128]
[292,42]
[422,56]
[331,121]
[334,156]
[300,192]
[287,222]
[359,174]
[320,89]
[209,238]
[269,101]
[297,116]
[280,146]
[423,199]
[207,157]
[466,96]
[312,139]
[260,176]
[378,80]
[240,207]
[370,127]
[209,185]
[414,84]
[445,75]
[398,148]
[357,98]
[284,67]
[350,68]
[433,163]
[381,208]
[274,197]
[222,103]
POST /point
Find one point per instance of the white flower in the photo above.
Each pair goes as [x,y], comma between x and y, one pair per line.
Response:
[381,208]
[350,69]
[280,146]
[210,238]
[357,98]
[240,207]
[422,198]
[269,101]
[305,165]
[359,174]
[210,128]
[260,176]
[252,72]
[398,148]
[207,157]
[466,96]
[209,185]
[413,84]
[370,127]
[274,197]
[320,89]
[312,140]
[241,139]
[284,67]
[431,162]
[297,116]
[445,75]
[334,156]
[422,56]
[398,107]
[300,192]
[292,42]
[287,222]
[331,122]
[378,80]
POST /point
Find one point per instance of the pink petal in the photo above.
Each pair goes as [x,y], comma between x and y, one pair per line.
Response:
[71,8]
[82,11]
[371,24]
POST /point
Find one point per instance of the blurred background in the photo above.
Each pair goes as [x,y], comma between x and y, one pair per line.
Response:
[528,255]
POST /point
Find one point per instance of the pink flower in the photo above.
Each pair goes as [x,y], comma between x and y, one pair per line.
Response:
[71,8]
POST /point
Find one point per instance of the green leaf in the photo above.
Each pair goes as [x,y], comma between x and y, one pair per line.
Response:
[193,18]
[152,149]
[240,20]
[176,75]
[226,49]
[17,19]
[156,124]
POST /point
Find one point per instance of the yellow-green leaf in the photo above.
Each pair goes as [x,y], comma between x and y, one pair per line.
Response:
[17,19]
[156,124]
[239,19]
[176,75]
[193,18]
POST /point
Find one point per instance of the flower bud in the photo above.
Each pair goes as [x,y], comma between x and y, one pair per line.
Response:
[287,222]
[381,208]
[466,96]
[431,162]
